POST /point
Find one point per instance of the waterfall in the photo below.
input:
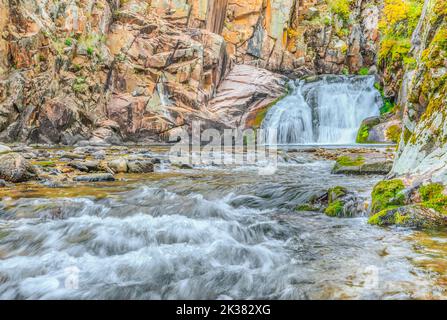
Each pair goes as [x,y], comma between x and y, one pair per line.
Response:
[328,110]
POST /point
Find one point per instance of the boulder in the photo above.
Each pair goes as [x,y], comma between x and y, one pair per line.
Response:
[138,166]
[370,168]
[118,165]
[244,93]
[85,166]
[15,168]
[413,216]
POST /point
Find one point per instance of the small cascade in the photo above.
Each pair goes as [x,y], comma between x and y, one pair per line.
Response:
[328,110]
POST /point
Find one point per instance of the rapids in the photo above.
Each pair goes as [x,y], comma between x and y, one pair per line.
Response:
[212,232]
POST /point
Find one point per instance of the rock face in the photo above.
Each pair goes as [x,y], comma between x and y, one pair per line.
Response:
[293,36]
[14,168]
[104,72]
[244,93]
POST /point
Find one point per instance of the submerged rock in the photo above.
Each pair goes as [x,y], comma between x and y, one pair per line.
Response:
[336,202]
[98,177]
[15,168]
[359,166]
[343,203]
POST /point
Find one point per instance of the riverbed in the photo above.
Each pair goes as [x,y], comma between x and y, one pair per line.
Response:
[209,232]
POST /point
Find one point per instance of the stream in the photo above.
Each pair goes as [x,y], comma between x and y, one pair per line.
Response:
[211,232]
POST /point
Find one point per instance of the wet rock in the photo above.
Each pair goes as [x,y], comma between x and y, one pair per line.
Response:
[98,177]
[240,98]
[140,166]
[2,183]
[85,166]
[360,166]
[118,165]
[15,168]
[343,203]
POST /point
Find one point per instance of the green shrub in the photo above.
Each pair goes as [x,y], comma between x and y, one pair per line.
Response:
[363,71]
[90,51]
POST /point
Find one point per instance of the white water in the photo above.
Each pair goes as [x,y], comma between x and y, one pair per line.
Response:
[327,111]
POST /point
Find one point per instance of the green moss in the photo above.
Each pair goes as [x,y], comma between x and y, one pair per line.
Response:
[433,197]
[260,115]
[345,161]
[363,71]
[334,209]
[90,51]
[407,135]
[80,85]
[394,132]
[386,194]
[363,134]
[45,163]
[388,216]
[376,219]
[68,42]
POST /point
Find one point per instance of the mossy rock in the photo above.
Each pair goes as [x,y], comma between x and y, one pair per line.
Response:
[414,216]
[386,194]
[335,209]
[365,127]
[433,197]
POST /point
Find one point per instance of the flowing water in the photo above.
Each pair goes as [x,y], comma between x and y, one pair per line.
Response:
[326,111]
[212,232]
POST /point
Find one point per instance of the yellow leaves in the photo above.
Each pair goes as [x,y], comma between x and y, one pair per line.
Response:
[394,11]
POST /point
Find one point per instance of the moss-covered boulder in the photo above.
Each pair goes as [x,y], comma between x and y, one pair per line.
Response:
[414,216]
[427,210]
[386,194]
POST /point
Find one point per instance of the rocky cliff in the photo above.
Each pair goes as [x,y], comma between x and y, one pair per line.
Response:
[417,195]
[108,71]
